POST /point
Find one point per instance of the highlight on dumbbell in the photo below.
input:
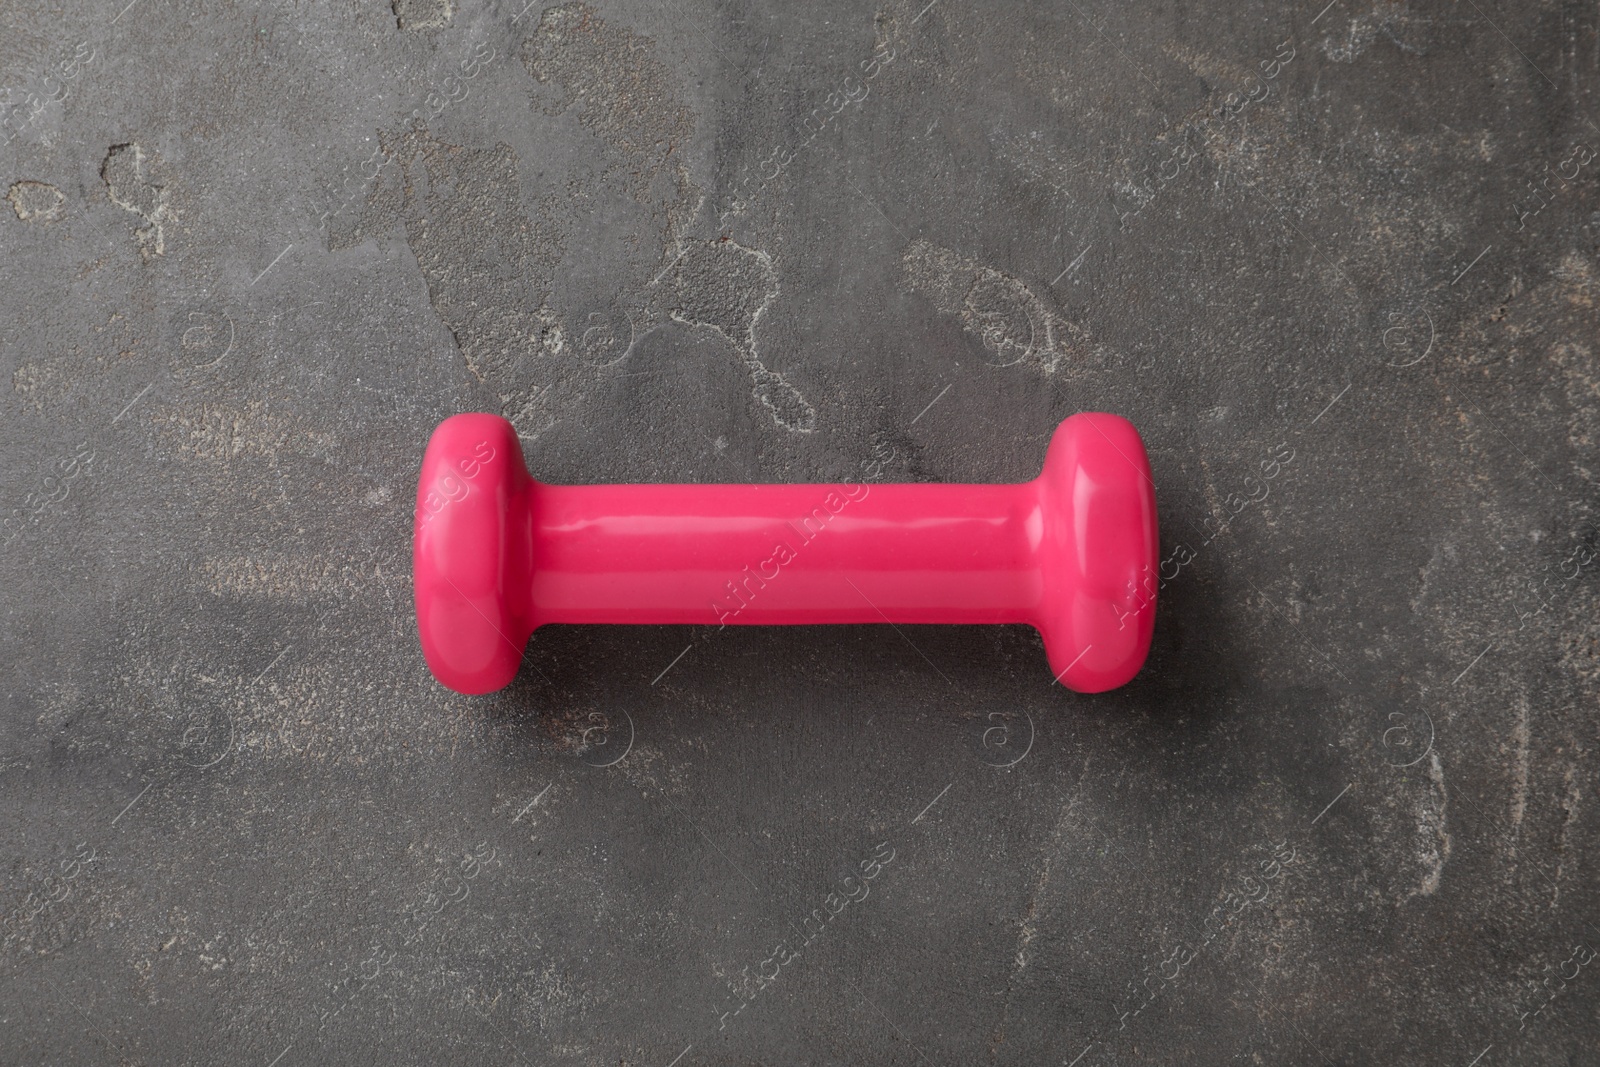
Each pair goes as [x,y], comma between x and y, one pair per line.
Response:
[1072,553]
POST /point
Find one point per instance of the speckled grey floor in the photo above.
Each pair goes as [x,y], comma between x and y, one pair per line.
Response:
[1338,262]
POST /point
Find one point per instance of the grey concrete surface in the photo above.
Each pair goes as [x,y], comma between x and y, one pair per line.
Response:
[1337,261]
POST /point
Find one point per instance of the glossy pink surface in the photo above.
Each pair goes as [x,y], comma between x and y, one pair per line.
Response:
[1072,553]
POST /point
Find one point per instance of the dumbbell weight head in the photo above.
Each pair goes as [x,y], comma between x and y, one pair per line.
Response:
[472,550]
[1099,552]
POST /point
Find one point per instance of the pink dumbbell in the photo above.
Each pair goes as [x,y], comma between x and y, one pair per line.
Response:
[1073,553]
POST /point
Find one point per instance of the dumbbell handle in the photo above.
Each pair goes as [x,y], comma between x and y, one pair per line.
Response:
[783,554]
[1072,553]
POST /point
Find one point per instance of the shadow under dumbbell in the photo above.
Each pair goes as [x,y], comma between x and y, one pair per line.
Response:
[577,683]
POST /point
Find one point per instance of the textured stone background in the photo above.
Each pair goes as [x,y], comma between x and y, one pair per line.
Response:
[1336,260]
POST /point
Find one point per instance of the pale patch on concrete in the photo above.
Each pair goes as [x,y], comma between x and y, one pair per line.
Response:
[127,173]
[1028,928]
[726,287]
[1012,322]
[1441,561]
[35,382]
[1409,33]
[1569,815]
[487,264]
[221,433]
[37,202]
[1520,743]
[422,14]
[623,93]
[295,578]
[1432,841]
